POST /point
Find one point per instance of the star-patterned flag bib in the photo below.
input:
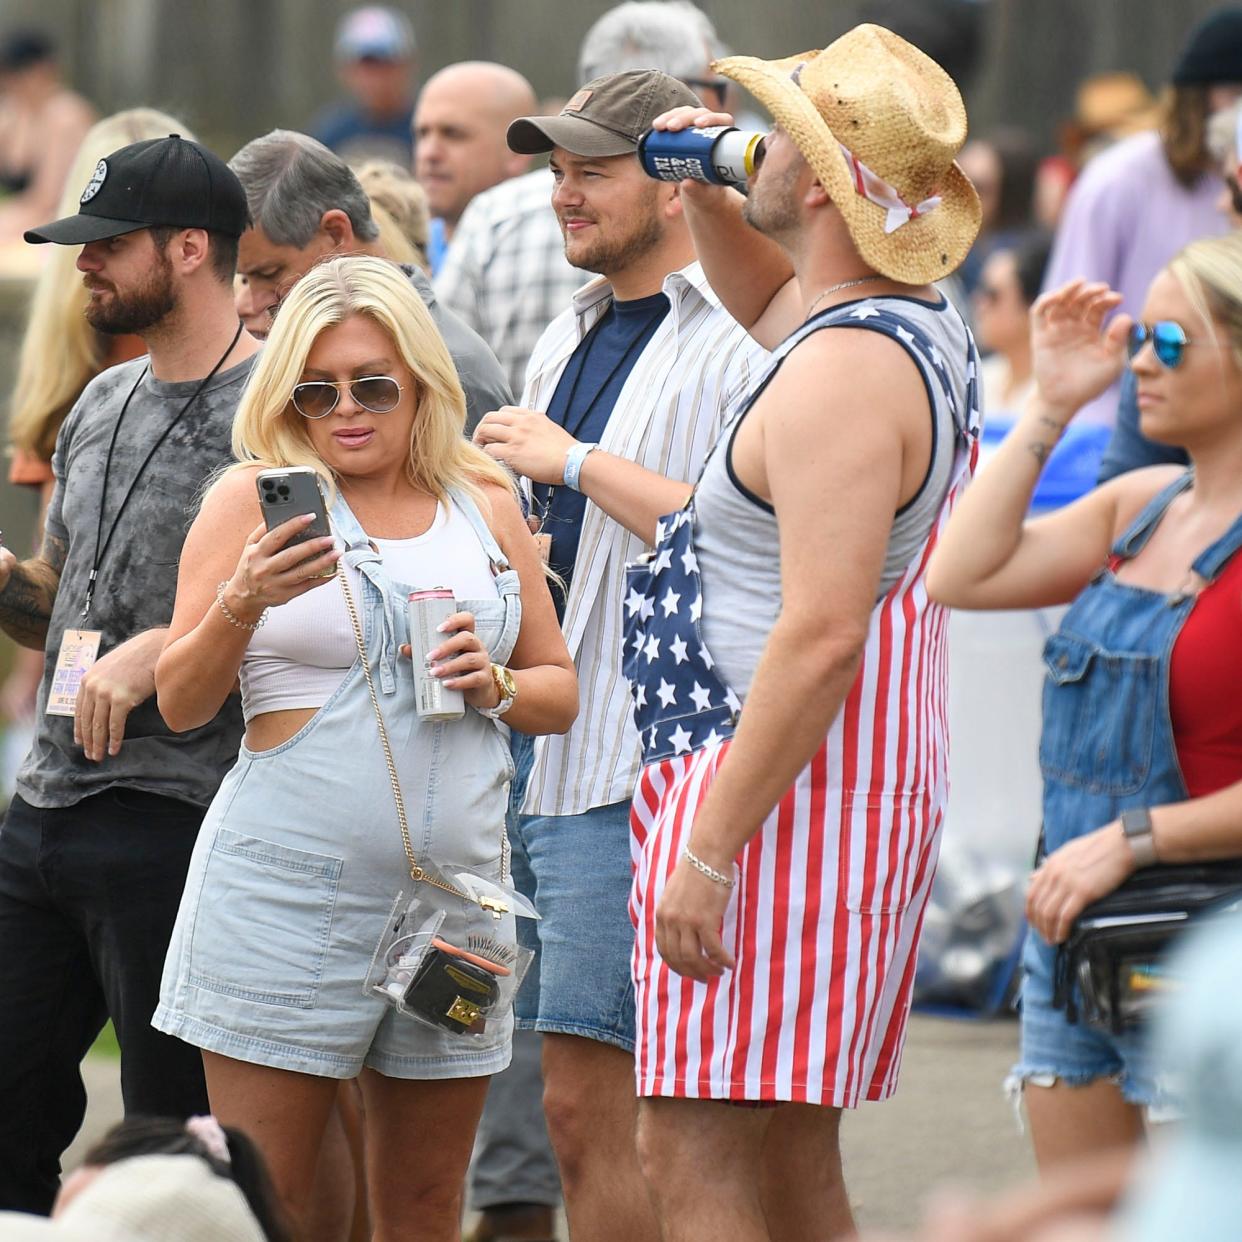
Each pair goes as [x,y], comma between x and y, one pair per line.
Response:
[680,703]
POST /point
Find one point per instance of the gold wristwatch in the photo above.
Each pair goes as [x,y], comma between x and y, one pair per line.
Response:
[507,687]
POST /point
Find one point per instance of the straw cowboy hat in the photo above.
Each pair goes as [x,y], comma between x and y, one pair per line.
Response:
[879,123]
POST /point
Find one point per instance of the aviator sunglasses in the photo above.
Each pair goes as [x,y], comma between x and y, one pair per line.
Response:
[1168,341]
[318,398]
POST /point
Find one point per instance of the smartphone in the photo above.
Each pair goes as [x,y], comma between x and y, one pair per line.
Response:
[289,492]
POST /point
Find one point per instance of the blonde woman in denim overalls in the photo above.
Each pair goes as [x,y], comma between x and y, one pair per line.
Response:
[1142,704]
[301,854]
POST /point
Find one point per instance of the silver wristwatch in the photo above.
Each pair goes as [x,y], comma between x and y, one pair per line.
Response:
[1136,824]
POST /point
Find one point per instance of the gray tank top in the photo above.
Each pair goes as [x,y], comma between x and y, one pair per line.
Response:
[735,533]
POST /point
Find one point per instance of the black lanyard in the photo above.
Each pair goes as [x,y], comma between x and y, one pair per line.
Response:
[626,358]
[103,544]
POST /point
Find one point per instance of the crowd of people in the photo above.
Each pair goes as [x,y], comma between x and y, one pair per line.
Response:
[692,467]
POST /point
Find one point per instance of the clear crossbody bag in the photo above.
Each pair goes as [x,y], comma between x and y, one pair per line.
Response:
[448,955]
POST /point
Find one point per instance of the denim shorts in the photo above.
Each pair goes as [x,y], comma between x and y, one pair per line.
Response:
[577,871]
[1076,1053]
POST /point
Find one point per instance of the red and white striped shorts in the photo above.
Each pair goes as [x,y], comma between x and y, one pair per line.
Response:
[815,1010]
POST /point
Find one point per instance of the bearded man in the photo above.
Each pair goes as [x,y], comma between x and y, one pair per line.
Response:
[626,392]
[96,841]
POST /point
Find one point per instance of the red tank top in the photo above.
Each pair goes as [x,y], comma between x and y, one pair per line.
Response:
[1205,686]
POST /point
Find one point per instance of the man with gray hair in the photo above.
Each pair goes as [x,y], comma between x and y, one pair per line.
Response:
[505,273]
[674,36]
[306,204]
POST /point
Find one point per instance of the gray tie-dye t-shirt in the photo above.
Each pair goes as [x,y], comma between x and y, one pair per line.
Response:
[138,578]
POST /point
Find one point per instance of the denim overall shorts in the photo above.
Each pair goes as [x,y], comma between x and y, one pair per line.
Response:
[1107,745]
[300,856]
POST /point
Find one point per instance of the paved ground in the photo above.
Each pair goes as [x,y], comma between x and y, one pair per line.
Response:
[948,1121]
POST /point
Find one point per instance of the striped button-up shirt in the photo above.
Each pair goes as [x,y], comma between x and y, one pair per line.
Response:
[686,383]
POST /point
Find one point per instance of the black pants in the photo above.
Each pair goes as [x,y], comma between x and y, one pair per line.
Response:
[88,895]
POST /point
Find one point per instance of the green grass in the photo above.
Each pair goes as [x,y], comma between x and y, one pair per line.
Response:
[106,1045]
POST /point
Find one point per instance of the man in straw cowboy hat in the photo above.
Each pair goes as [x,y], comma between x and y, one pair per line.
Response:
[789,669]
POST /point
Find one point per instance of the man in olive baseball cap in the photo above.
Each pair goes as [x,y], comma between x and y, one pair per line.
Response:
[606,117]
[161,183]
[626,390]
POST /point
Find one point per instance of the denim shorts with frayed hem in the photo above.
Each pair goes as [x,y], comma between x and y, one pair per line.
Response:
[1074,1052]
[576,869]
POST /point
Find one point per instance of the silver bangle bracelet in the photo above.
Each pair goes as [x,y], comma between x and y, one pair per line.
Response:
[717,877]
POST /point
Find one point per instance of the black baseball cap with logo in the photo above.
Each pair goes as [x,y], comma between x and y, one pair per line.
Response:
[170,182]
[606,117]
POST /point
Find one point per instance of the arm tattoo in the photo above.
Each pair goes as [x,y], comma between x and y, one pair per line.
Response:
[27,598]
[1040,451]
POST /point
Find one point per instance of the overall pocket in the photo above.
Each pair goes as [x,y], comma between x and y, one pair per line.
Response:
[263,921]
[489,626]
[1099,716]
[883,840]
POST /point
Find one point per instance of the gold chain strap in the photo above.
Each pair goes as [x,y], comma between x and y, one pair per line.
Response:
[416,872]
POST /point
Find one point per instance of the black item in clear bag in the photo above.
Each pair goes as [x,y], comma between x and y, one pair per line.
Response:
[449,955]
[1115,952]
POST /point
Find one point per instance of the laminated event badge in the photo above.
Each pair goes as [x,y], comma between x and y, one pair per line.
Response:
[79,649]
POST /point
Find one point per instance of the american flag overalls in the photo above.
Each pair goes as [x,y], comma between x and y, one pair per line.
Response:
[825,917]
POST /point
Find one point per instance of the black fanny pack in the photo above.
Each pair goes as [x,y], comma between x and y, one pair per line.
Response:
[1116,949]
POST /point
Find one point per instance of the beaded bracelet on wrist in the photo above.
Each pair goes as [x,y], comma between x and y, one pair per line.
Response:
[232,617]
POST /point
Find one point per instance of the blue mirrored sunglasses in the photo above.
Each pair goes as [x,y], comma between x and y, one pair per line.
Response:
[1168,340]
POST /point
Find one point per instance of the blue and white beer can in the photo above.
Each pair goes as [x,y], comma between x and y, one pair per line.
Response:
[721,155]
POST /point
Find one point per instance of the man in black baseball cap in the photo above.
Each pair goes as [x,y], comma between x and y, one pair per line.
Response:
[97,838]
[169,182]
[150,193]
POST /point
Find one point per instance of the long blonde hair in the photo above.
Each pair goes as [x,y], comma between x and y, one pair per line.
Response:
[61,353]
[1210,271]
[267,430]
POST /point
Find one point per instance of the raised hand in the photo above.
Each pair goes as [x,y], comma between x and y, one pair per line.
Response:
[686,117]
[1075,357]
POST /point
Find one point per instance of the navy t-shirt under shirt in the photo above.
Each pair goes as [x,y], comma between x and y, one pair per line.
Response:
[583,403]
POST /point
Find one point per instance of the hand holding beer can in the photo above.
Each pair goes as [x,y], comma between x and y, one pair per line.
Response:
[427,611]
[721,155]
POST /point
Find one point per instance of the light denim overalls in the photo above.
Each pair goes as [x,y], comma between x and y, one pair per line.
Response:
[1107,745]
[300,856]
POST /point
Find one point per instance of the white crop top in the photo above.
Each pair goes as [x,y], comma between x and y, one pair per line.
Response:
[306,647]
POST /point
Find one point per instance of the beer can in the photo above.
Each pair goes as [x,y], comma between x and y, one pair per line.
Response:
[722,155]
[428,610]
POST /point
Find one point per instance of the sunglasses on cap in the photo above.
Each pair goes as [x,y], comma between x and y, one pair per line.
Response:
[1168,341]
[318,398]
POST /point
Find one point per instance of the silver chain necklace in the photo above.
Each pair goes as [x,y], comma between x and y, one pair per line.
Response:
[845,284]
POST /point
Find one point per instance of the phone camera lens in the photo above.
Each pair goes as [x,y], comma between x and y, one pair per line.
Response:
[284,491]
[268,484]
